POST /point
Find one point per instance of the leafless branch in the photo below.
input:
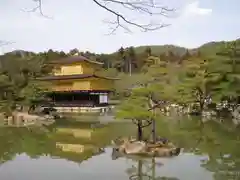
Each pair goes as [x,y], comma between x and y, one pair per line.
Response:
[38,8]
[149,8]
[146,7]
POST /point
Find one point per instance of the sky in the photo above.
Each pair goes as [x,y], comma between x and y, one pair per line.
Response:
[82,24]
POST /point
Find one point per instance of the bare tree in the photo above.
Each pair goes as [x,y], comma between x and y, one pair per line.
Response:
[144,8]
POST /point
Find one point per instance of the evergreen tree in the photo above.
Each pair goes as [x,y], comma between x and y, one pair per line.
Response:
[148,51]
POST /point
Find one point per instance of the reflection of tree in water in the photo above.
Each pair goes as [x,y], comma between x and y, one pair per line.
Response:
[14,141]
[223,152]
[41,141]
[145,170]
[36,142]
[219,141]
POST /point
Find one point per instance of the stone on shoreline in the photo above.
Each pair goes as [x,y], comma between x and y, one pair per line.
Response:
[23,118]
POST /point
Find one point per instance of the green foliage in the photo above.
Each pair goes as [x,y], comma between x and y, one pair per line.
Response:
[229,73]
[169,72]
[154,81]
[34,92]
[192,85]
[135,107]
[156,50]
[18,78]
[192,79]
[214,76]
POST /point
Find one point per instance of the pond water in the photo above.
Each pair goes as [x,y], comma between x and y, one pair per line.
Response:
[81,150]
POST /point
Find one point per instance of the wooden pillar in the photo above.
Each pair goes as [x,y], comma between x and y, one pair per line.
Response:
[107,96]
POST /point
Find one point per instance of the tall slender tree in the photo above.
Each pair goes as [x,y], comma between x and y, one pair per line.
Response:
[148,51]
[131,59]
[122,66]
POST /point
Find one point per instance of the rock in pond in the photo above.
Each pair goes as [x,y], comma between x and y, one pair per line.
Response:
[125,146]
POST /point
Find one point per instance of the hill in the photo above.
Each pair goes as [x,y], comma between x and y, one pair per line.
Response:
[160,49]
[207,48]
[213,47]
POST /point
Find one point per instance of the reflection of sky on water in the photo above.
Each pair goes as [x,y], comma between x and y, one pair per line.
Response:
[102,167]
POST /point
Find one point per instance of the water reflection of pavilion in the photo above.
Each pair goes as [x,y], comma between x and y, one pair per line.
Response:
[80,140]
[217,143]
[76,142]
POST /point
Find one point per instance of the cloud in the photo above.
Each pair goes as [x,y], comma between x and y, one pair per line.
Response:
[194,9]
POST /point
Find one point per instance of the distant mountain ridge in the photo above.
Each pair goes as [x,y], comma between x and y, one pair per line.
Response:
[159,49]
[210,47]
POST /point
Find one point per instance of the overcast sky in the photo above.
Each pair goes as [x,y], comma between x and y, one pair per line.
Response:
[79,24]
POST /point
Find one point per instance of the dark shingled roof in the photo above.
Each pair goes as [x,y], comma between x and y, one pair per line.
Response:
[75,76]
[74,59]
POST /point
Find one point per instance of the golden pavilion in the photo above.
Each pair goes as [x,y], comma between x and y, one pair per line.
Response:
[74,84]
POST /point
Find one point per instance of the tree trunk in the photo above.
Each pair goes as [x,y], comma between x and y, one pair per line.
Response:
[154,130]
[31,108]
[140,132]
[130,67]
[153,168]
[201,105]
[140,169]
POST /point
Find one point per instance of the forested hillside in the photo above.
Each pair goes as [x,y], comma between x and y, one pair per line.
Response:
[168,63]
